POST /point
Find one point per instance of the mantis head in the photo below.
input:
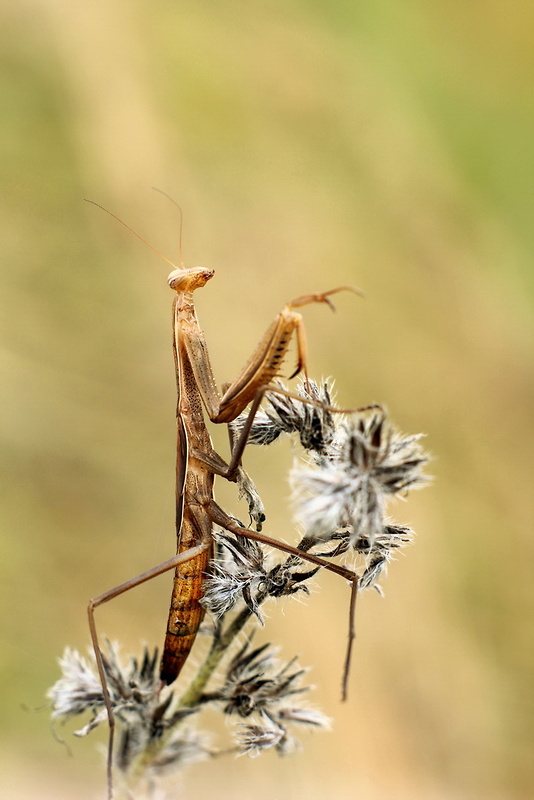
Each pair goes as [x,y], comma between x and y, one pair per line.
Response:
[187,280]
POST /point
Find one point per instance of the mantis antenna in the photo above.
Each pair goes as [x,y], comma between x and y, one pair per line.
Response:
[173,201]
[155,249]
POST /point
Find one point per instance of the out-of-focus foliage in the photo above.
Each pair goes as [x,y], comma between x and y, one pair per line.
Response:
[311,144]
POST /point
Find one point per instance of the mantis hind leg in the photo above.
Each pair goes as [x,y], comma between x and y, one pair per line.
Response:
[105,597]
[221,518]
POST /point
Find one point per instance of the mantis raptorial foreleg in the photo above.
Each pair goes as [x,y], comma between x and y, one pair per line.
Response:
[238,444]
[234,472]
[264,364]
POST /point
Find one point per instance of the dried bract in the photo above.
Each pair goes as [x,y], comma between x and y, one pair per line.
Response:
[252,739]
[381,552]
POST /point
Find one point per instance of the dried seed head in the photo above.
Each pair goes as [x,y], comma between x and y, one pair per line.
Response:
[252,739]
[313,423]
[142,711]
[258,686]
[79,688]
[255,681]
[234,578]
[373,462]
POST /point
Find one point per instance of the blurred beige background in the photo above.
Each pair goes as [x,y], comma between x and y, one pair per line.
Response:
[386,144]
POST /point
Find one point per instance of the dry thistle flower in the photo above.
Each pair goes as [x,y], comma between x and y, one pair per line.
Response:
[242,575]
[145,717]
[256,683]
[314,424]
[78,690]
[374,462]
[233,578]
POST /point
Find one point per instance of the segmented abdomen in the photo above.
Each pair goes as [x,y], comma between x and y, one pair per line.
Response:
[186,613]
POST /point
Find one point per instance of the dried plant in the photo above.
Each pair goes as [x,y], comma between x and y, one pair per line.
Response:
[350,467]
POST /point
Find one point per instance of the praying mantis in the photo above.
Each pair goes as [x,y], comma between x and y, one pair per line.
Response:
[197,463]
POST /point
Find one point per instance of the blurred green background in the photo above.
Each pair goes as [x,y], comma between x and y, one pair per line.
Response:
[388,144]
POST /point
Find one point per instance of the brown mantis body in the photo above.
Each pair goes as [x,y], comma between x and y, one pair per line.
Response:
[197,463]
